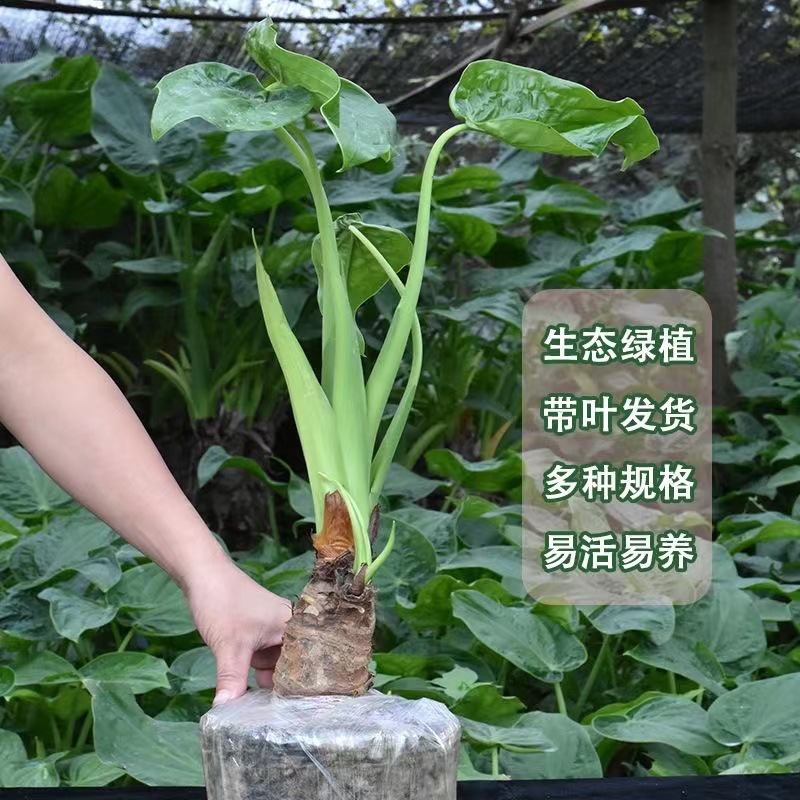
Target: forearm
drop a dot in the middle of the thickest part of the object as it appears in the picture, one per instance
(71, 417)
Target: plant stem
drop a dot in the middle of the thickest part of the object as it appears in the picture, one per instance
(84, 732)
(451, 497)
(127, 640)
(595, 671)
(562, 705)
(419, 447)
(69, 734)
(342, 374)
(387, 364)
(495, 762)
(673, 688)
(56, 733)
(388, 447)
(172, 235)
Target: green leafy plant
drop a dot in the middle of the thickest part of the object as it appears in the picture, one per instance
(339, 416)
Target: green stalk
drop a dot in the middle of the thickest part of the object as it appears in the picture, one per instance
(312, 410)
(388, 447)
(388, 362)
(126, 641)
(343, 377)
(562, 704)
(172, 235)
(85, 730)
(595, 671)
(416, 452)
(673, 687)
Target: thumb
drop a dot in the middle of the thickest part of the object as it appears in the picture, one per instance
(233, 665)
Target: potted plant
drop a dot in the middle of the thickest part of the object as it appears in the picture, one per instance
(339, 414)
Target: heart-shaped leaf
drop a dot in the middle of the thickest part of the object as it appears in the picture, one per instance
(535, 644)
(151, 751)
(764, 715)
(531, 110)
(339, 101)
(136, 672)
(228, 98)
(669, 719)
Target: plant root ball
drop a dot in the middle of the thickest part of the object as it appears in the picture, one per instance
(327, 645)
(374, 747)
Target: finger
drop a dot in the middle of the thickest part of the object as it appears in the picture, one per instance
(266, 658)
(233, 664)
(265, 678)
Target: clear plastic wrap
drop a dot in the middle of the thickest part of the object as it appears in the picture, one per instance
(376, 747)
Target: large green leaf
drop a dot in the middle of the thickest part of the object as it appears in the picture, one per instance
(688, 657)
(17, 772)
(638, 240)
(196, 670)
(364, 129)
(433, 609)
(72, 614)
(402, 482)
(535, 644)
(483, 736)
(456, 184)
(152, 602)
(228, 98)
(574, 756)
(411, 562)
(485, 703)
(63, 200)
(7, 680)
(471, 234)
(32, 67)
(151, 751)
(216, 458)
(25, 616)
(136, 672)
(364, 275)
(67, 543)
(88, 770)
(663, 204)
(564, 198)
(764, 715)
(491, 475)
(503, 560)
(726, 620)
(531, 110)
(121, 112)
(15, 199)
(657, 621)
(669, 719)
(60, 107)
(436, 526)
(25, 489)
(12, 748)
(45, 668)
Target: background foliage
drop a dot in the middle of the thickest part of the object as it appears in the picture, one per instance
(141, 252)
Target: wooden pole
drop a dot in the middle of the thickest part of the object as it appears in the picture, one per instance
(719, 180)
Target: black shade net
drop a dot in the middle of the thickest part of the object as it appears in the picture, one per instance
(652, 53)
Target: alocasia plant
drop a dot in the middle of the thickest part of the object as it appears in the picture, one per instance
(339, 416)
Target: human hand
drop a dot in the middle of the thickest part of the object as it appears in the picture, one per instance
(241, 622)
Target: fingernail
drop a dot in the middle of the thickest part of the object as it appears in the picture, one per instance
(222, 697)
